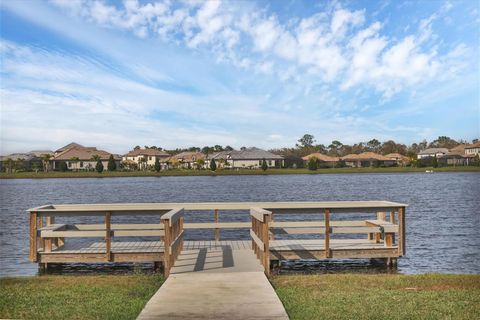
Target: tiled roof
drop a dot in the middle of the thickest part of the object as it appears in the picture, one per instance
(247, 154)
(83, 154)
(366, 156)
(147, 152)
(474, 145)
(68, 146)
(187, 156)
(321, 157)
(396, 156)
(433, 151)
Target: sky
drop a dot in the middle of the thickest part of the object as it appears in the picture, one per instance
(116, 74)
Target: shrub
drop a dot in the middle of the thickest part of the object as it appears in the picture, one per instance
(264, 165)
(157, 164)
(111, 164)
(312, 164)
(213, 165)
(99, 166)
(62, 166)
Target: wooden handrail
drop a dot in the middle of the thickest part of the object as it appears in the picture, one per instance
(260, 236)
(173, 239)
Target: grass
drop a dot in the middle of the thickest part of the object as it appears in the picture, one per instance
(348, 296)
(185, 172)
(76, 297)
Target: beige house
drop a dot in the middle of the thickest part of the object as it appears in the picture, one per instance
(323, 160)
(367, 159)
(83, 158)
(144, 158)
(473, 149)
(246, 158)
(187, 159)
(400, 159)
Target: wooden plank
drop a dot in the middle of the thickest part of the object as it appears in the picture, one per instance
(173, 215)
(118, 226)
(53, 227)
(220, 225)
(278, 231)
(341, 230)
(33, 237)
(108, 237)
(401, 232)
(326, 214)
(73, 234)
(266, 249)
(259, 214)
(138, 233)
(257, 241)
(217, 230)
(333, 223)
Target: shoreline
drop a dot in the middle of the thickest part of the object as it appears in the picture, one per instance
(240, 172)
(339, 296)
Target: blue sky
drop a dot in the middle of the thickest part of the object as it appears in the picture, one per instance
(241, 73)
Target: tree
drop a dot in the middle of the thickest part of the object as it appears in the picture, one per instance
(213, 165)
(136, 148)
(99, 166)
(218, 148)
(8, 165)
(200, 163)
(74, 160)
(111, 166)
(443, 142)
(435, 161)
(374, 145)
(306, 141)
(157, 164)
(228, 148)
(312, 163)
(46, 161)
(62, 166)
(264, 165)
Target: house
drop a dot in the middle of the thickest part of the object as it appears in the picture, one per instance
(246, 158)
(20, 161)
(144, 158)
(457, 156)
(473, 149)
(83, 158)
(68, 146)
(323, 160)
(367, 159)
(432, 152)
(187, 159)
(399, 159)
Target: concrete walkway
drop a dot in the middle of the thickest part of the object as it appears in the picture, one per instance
(220, 281)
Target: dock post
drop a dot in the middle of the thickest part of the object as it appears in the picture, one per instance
(217, 230)
(326, 214)
(401, 231)
(108, 240)
(33, 237)
(266, 245)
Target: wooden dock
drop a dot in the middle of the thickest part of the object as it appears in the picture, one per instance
(215, 278)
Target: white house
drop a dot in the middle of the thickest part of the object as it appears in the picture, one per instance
(432, 152)
(83, 158)
(473, 149)
(143, 158)
(246, 158)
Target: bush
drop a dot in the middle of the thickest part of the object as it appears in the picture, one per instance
(62, 166)
(312, 164)
(99, 166)
(111, 164)
(213, 165)
(264, 165)
(157, 164)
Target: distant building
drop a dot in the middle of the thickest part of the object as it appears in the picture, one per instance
(367, 159)
(323, 160)
(143, 158)
(400, 159)
(82, 158)
(20, 161)
(187, 159)
(473, 149)
(68, 146)
(432, 152)
(247, 158)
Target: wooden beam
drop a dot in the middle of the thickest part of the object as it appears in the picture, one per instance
(326, 214)
(401, 231)
(167, 243)
(259, 243)
(217, 230)
(266, 248)
(33, 237)
(108, 237)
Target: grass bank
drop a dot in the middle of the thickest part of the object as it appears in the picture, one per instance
(347, 296)
(76, 297)
(185, 172)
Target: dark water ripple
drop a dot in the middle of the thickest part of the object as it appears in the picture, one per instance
(443, 217)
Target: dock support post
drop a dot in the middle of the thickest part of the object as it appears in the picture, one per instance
(217, 230)
(266, 244)
(401, 231)
(166, 252)
(108, 240)
(33, 237)
(326, 214)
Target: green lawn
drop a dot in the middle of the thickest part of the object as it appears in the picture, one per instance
(348, 296)
(76, 297)
(191, 172)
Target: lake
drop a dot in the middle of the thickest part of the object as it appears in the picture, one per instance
(443, 217)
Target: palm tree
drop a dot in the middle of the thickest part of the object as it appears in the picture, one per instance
(8, 165)
(46, 161)
(74, 160)
(95, 158)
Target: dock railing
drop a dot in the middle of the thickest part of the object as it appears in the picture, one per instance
(261, 236)
(173, 226)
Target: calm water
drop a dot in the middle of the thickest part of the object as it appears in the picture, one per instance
(443, 217)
